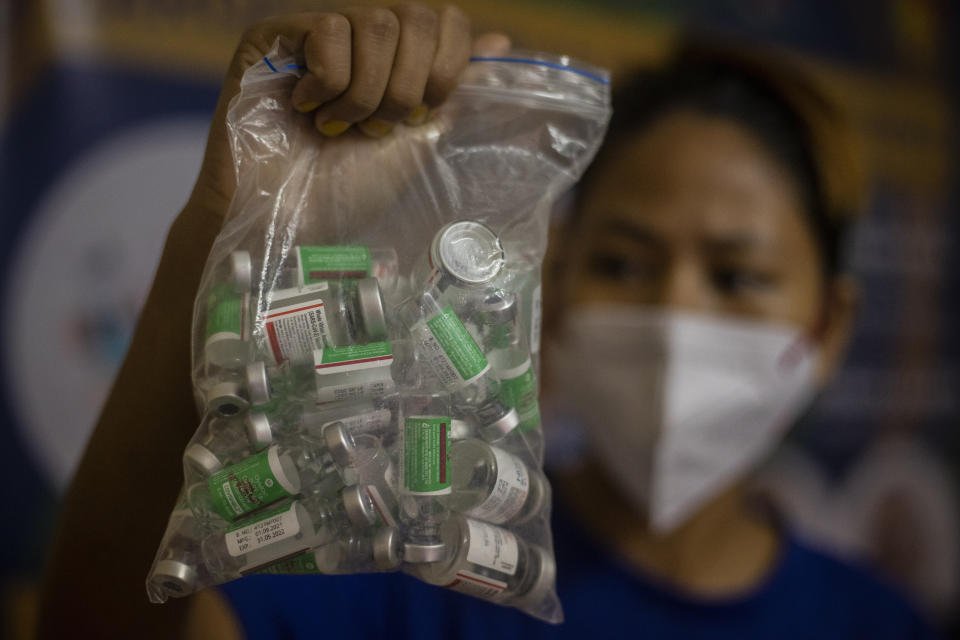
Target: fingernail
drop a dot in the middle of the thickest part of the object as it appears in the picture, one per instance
(333, 128)
(303, 107)
(375, 128)
(418, 116)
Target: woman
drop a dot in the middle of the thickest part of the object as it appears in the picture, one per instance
(702, 306)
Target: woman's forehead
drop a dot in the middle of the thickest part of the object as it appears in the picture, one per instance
(690, 172)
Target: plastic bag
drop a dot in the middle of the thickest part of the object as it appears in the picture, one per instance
(366, 336)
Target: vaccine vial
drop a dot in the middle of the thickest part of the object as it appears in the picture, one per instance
(490, 562)
(282, 471)
(493, 485)
(227, 336)
(424, 472)
(179, 570)
(377, 553)
(463, 255)
(265, 425)
(316, 264)
(295, 322)
(217, 443)
(458, 363)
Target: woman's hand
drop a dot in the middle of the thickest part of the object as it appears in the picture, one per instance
(366, 66)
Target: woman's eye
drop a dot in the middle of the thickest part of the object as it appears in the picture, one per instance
(615, 267)
(734, 280)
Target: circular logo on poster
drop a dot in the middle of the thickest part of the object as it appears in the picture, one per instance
(80, 276)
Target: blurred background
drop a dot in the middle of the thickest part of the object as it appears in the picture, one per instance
(104, 107)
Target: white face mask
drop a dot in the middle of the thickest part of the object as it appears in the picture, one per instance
(679, 406)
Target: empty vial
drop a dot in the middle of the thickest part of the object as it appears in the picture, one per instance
(315, 264)
(281, 471)
(463, 255)
(424, 474)
(217, 443)
(458, 362)
(268, 424)
(295, 322)
(489, 562)
(227, 333)
(492, 485)
(358, 553)
(178, 570)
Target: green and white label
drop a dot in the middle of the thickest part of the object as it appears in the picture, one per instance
(329, 263)
(271, 527)
(450, 350)
(425, 455)
(301, 564)
(355, 357)
(248, 485)
(518, 390)
(225, 311)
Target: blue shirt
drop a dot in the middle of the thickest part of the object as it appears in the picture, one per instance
(807, 595)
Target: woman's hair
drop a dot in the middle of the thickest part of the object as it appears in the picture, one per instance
(726, 89)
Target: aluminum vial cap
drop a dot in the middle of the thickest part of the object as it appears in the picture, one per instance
(176, 578)
(468, 252)
(358, 506)
(259, 430)
(226, 400)
(340, 444)
(241, 271)
(258, 384)
(202, 459)
(544, 583)
(371, 309)
(501, 427)
(386, 549)
(417, 553)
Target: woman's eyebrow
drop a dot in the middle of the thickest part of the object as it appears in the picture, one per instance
(636, 232)
(737, 241)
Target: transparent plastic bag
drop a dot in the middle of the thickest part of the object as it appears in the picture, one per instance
(366, 336)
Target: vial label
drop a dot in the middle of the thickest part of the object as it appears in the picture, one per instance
(477, 585)
(509, 492)
(301, 564)
(536, 319)
(271, 527)
(450, 350)
(353, 392)
(518, 390)
(375, 422)
(425, 455)
(295, 331)
(316, 264)
(226, 312)
(492, 547)
(356, 357)
(247, 485)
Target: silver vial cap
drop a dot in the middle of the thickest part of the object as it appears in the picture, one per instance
(201, 459)
(226, 400)
(241, 271)
(358, 506)
(339, 443)
(258, 384)
(386, 549)
(468, 252)
(259, 430)
(176, 578)
(500, 427)
(371, 309)
(417, 553)
(545, 579)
